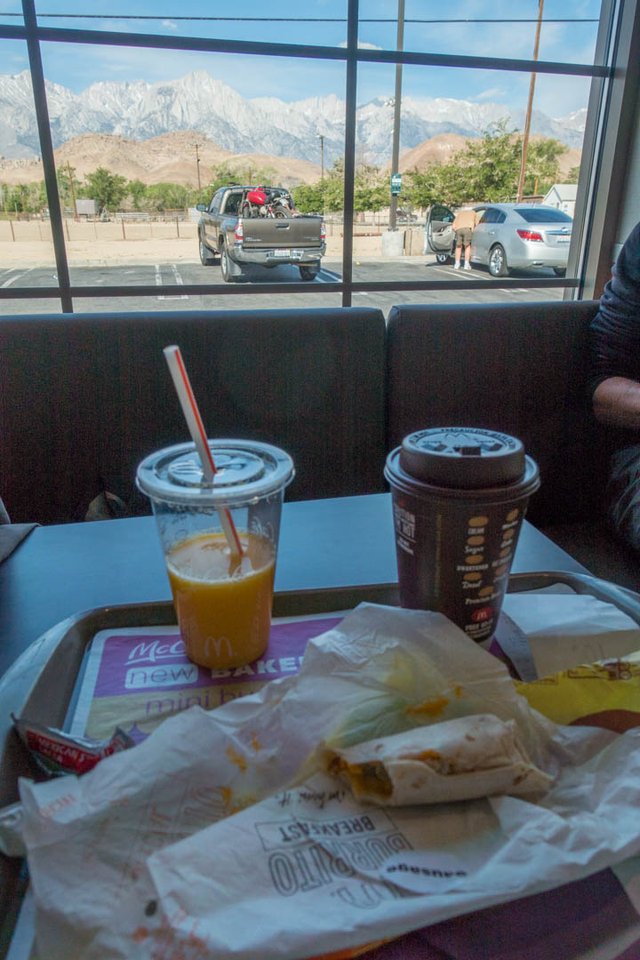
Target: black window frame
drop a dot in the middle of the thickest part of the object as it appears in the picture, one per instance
(614, 15)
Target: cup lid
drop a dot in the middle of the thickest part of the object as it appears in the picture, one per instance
(245, 470)
(463, 457)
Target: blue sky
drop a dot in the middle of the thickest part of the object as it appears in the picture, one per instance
(79, 66)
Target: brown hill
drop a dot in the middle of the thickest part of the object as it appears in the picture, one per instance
(170, 158)
(439, 149)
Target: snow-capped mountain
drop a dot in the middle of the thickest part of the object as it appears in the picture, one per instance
(140, 110)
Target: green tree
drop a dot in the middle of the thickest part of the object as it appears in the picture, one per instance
(333, 188)
(106, 188)
(371, 190)
(487, 169)
(422, 188)
(543, 165)
(226, 174)
(573, 175)
(137, 190)
(167, 196)
(25, 198)
(309, 197)
(68, 186)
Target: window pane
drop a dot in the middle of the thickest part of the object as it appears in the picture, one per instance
(26, 249)
(322, 22)
(459, 151)
(136, 156)
(11, 14)
(499, 29)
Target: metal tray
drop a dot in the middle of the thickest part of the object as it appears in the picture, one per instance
(41, 683)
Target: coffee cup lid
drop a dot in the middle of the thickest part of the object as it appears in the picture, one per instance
(245, 470)
(466, 457)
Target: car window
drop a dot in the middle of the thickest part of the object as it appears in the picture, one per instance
(501, 216)
(233, 203)
(441, 213)
(543, 215)
(490, 215)
(214, 206)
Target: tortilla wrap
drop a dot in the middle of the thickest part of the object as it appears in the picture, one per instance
(461, 759)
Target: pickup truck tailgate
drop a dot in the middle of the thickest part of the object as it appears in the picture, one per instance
(302, 232)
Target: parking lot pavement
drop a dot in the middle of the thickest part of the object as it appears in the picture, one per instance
(178, 274)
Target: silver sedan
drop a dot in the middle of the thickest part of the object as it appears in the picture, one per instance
(508, 235)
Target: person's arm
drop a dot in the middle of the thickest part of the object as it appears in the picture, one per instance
(615, 343)
(616, 401)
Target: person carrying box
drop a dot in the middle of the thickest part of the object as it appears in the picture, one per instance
(463, 225)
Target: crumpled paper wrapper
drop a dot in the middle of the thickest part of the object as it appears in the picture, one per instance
(197, 843)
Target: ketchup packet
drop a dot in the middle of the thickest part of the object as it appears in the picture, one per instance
(57, 753)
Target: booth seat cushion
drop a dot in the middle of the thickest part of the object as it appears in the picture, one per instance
(518, 368)
(85, 397)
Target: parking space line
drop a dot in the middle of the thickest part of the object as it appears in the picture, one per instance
(179, 282)
(178, 279)
(327, 276)
(17, 276)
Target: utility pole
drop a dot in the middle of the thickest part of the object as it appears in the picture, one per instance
(395, 149)
(321, 139)
(527, 120)
(73, 191)
(196, 145)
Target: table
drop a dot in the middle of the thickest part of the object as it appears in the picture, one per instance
(64, 569)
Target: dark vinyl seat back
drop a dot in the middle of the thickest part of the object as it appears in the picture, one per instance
(85, 397)
(520, 369)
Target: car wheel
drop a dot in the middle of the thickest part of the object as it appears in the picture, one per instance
(498, 261)
(560, 271)
(225, 266)
(443, 257)
(206, 257)
(309, 273)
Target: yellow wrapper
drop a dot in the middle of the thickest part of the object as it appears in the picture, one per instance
(603, 694)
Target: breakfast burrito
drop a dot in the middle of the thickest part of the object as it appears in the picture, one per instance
(476, 756)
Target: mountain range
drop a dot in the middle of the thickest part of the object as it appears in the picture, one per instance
(141, 111)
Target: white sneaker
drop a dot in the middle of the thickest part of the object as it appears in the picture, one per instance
(467, 266)
(456, 266)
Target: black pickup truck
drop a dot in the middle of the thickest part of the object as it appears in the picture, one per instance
(263, 240)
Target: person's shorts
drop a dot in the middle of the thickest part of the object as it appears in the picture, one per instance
(463, 236)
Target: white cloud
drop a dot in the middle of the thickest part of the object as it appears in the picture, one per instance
(362, 45)
(493, 93)
(169, 24)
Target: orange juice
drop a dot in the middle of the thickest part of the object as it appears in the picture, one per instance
(223, 607)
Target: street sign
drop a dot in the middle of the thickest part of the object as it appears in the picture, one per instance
(396, 184)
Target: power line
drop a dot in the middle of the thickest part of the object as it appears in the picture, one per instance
(128, 16)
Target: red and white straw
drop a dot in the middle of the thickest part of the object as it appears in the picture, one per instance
(189, 406)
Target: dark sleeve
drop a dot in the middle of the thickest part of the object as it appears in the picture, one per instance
(615, 330)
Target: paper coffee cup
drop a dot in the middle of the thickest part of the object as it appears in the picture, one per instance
(459, 497)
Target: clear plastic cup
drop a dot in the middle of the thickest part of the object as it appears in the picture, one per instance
(223, 602)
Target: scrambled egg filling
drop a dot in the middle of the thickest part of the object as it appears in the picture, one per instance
(365, 777)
